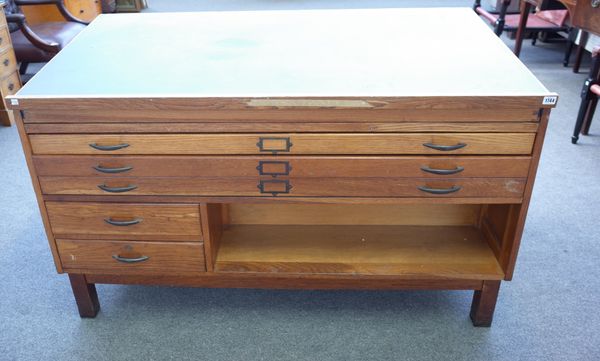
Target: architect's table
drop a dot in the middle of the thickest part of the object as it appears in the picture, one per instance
(305, 149)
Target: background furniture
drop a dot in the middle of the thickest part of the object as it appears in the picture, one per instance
(86, 10)
(40, 42)
(589, 99)
(540, 21)
(10, 82)
(128, 6)
(281, 169)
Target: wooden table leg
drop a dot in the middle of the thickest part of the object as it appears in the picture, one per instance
(583, 38)
(86, 296)
(525, 9)
(484, 303)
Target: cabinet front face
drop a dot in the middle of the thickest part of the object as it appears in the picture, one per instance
(587, 15)
(264, 165)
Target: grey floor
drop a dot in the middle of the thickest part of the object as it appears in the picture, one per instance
(549, 311)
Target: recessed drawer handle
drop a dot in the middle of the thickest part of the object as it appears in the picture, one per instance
(102, 169)
(109, 147)
(445, 148)
(442, 171)
(130, 260)
(106, 188)
(440, 190)
(123, 223)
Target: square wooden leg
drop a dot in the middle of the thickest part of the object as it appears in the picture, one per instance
(86, 296)
(484, 303)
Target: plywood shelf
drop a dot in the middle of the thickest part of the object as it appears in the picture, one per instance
(458, 252)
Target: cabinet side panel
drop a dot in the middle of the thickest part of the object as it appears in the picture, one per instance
(38, 192)
(510, 248)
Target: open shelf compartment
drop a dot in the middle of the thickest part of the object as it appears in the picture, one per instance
(407, 241)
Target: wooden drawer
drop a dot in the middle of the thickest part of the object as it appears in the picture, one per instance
(124, 221)
(8, 62)
(298, 187)
(297, 166)
(11, 84)
(399, 143)
(121, 257)
(4, 37)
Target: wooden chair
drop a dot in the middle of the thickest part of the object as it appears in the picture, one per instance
(540, 21)
(39, 43)
(589, 98)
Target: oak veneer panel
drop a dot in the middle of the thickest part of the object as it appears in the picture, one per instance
(297, 166)
(300, 187)
(291, 281)
(278, 127)
(365, 214)
(404, 251)
(156, 221)
(164, 258)
(402, 143)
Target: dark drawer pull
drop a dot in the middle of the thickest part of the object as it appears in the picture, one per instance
(102, 169)
(6, 62)
(595, 3)
(445, 148)
(109, 147)
(106, 188)
(264, 184)
(265, 144)
(130, 260)
(284, 165)
(123, 223)
(11, 86)
(458, 169)
(440, 190)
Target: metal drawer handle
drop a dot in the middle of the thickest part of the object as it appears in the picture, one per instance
(130, 260)
(286, 146)
(286, 183)
(440, 190)
(445, 148)
(595, 3)
(109, 147)
(102, 169)
(11, 86)
(123, 223)
(6, 62)
(106, 188)
(285, 165)
(458, 169)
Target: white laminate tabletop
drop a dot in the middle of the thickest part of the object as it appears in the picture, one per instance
(320, 53)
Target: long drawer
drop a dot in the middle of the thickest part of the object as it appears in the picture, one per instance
(400, 143)
(299, 187)
(159, 258)
(124, 221)
(278, 166)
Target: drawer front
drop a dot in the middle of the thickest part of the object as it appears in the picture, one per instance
(4, 37)
(298, 187)
(8, 62)
(269, 144)
(11, 84)
(279, 166)
(124, 221)
(122, 257)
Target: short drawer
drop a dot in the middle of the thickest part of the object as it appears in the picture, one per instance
(270, 144)
(8, 62)
(76, 220)
(122, 257)
(11, 84)
(291, 187)
(280, 166)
